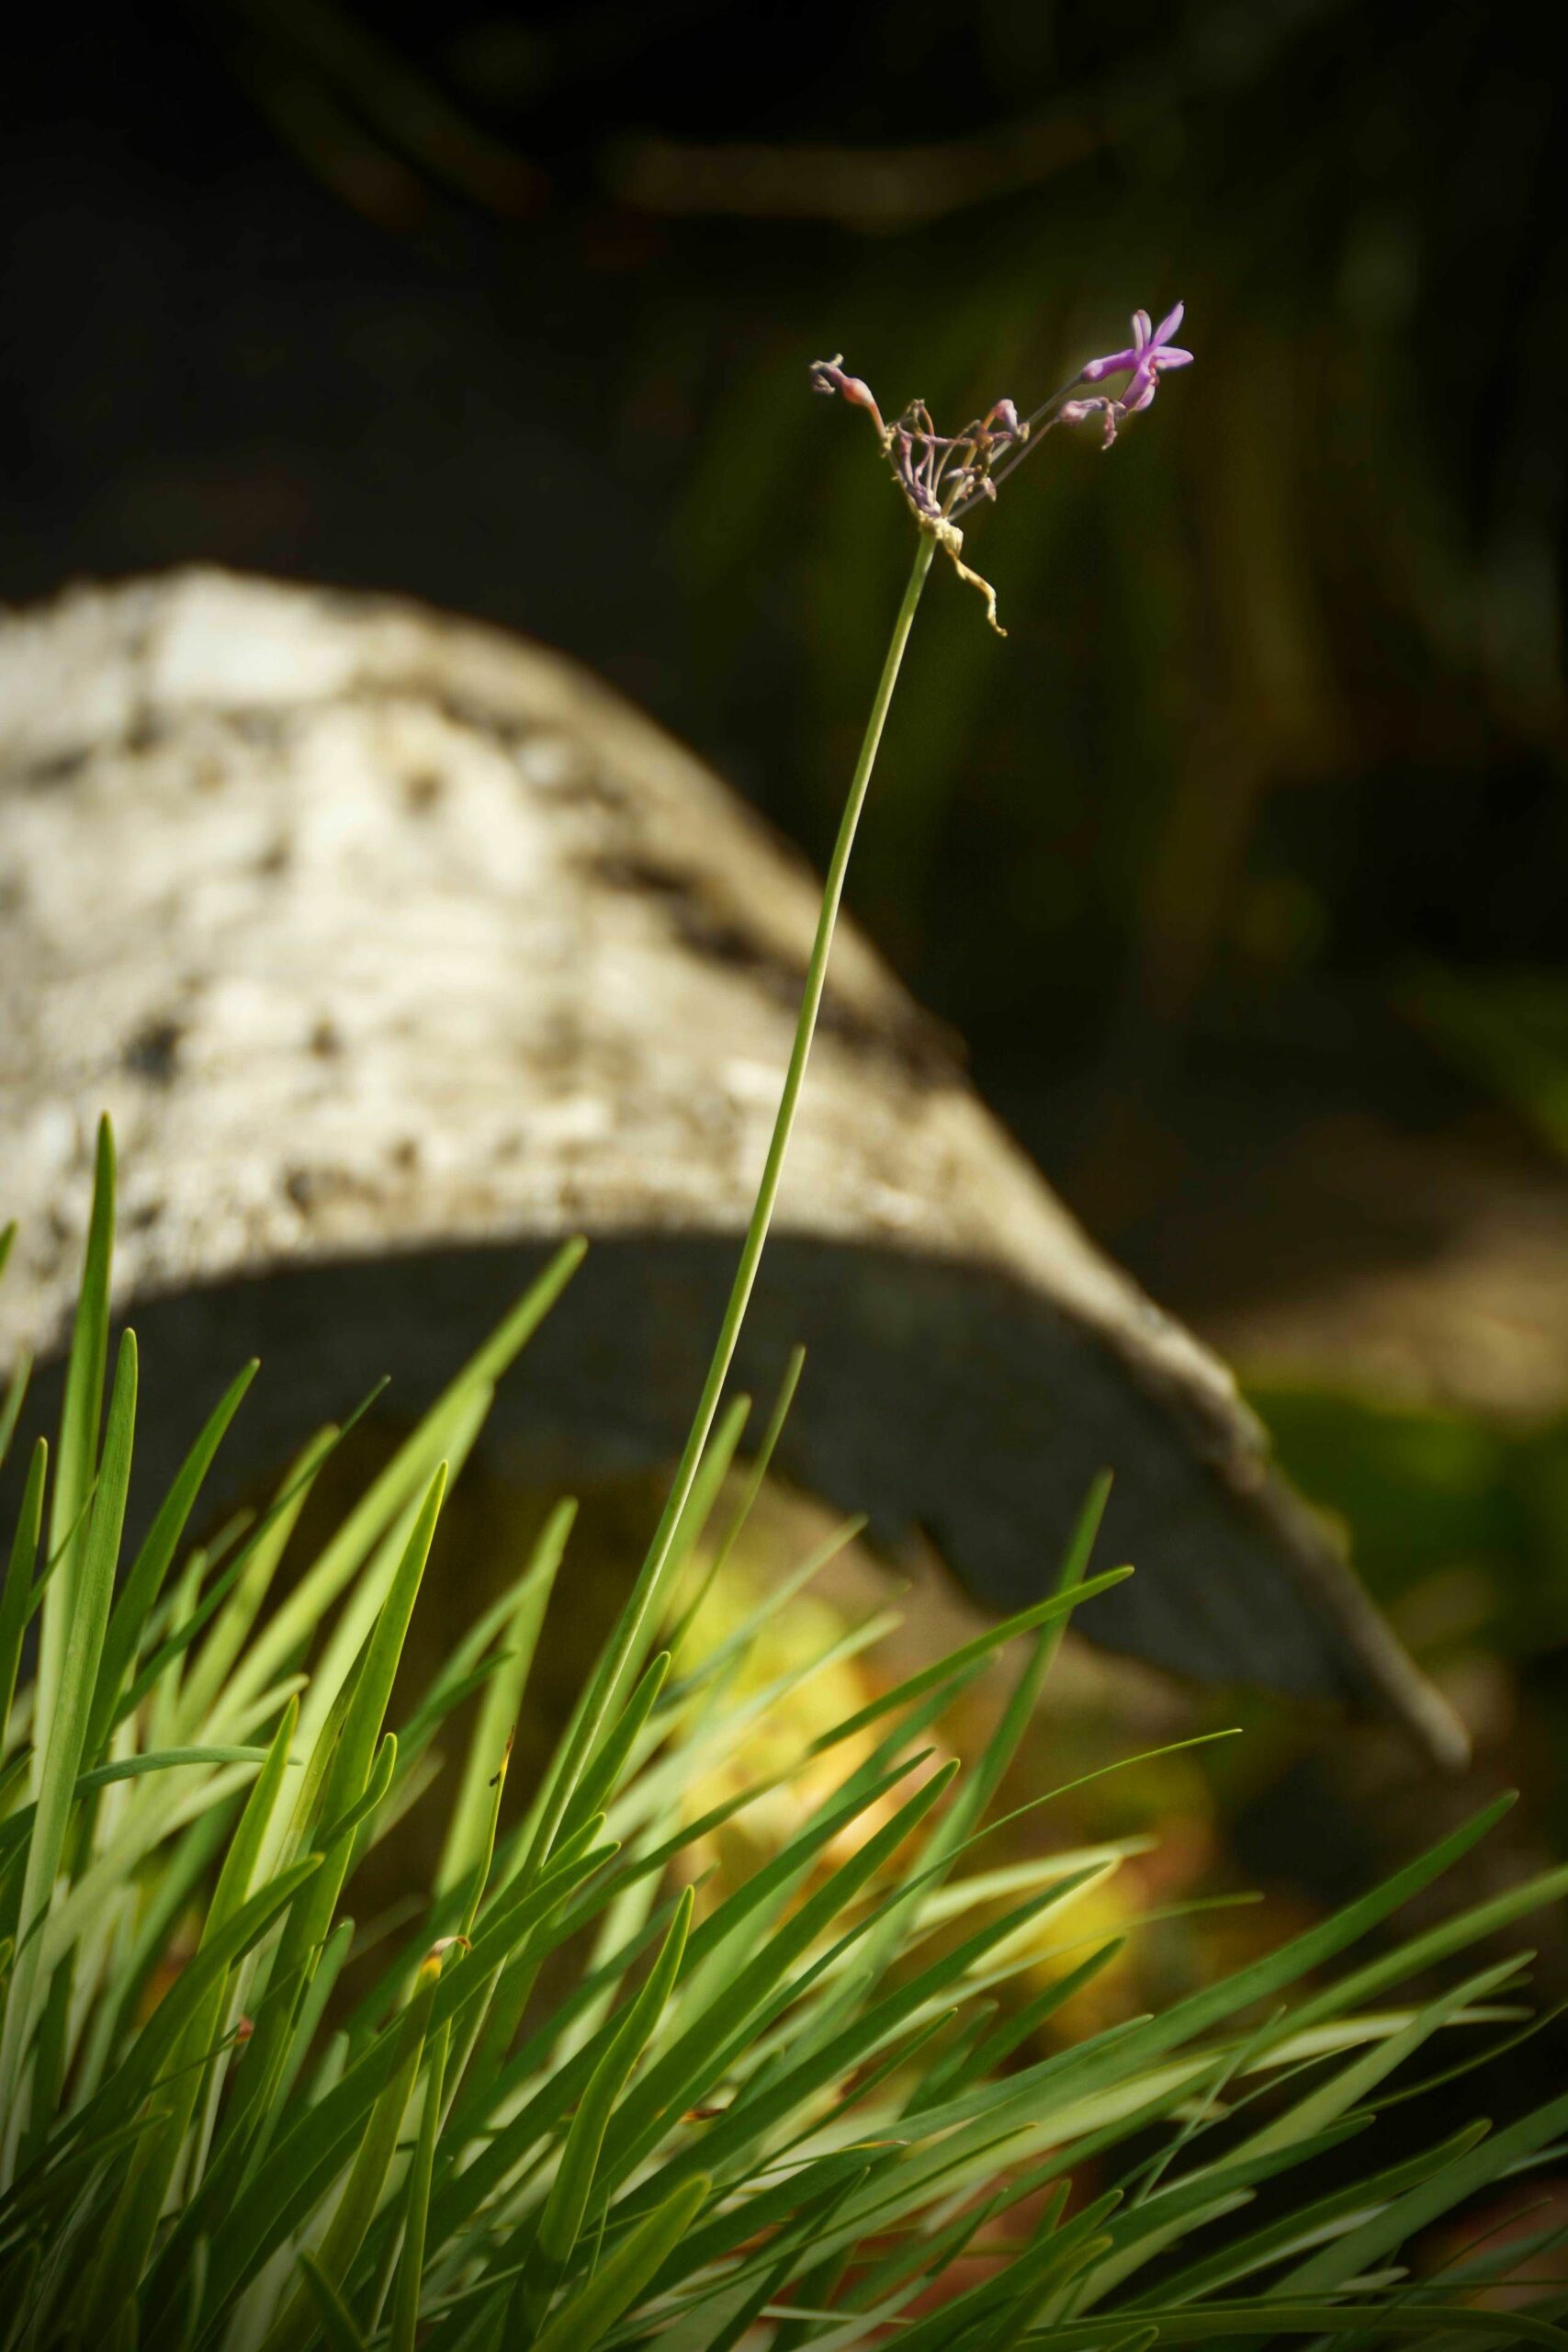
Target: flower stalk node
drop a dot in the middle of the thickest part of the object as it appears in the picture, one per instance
(949, 538)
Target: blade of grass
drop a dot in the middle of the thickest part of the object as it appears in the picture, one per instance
(145, 1577)
(356, 2208)
(566, 2207)
(15, 1393)
(1043, 1613)
(76, 1457)
(67, 1731)
(126, 2241)
(724, 1548)
(487, 1749)
(16, 1600)
(592, 2311)
(346, 1777)
(332, 2314)
(629, 1640)
(405, 1475)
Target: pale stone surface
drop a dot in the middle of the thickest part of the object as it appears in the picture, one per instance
(397, 949)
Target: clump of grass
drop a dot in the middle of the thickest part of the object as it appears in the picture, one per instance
(588, 2100)
(782, 2115)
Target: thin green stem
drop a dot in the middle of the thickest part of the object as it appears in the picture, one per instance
(624, 1656)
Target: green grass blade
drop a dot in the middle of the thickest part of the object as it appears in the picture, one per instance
(1437, 1944)
(332, 2314)
(16, 1395)
(999, 2045)
(567, 2204)
(75, 1458)
(629, 1642)
(503, 1700)
(313, 2149)
(16, 1600)
(592, 2311)
(1280, 2237)
(142, 2069)
(1350, 2086)
(356, 2208)
(724, 1548)
(749, 2119)
(1360, 2318)
(347, 1773)
(1465, 2175)
(1043, 1613)
(144, 1578)
(981, 1781)
(16, 1829)
(603, 1775)
(67, 1732)
(403, 2335)
(700, 2053)
(774, 1603)
(402, 1480)
(126, 2241)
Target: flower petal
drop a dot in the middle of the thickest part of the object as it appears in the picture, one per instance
(1169, 323)
(1141, 331)
(1170, 355)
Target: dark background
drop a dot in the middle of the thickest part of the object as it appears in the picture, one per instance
(1240, 865)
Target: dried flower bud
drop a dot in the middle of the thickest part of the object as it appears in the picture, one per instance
(827, 375)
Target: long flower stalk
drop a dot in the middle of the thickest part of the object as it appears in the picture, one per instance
(940, 477)
(628, 1647)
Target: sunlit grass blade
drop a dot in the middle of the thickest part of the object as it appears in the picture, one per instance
(618, 1662)
(698, 2056)
(602, 1775)
(981, 1781)
(145, 1576)
(498, 1714)
(1043, 1613)
(75, 1459)
(66, 1724)
(756, 1478)
(19, 1826)
(154, 2049)
(347, 1772)
(401, 1482)
(823, 2067)
(773, 1603)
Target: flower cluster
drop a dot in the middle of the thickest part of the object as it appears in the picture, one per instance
(945, 476)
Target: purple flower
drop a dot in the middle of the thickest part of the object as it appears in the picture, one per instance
(1148, 358)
